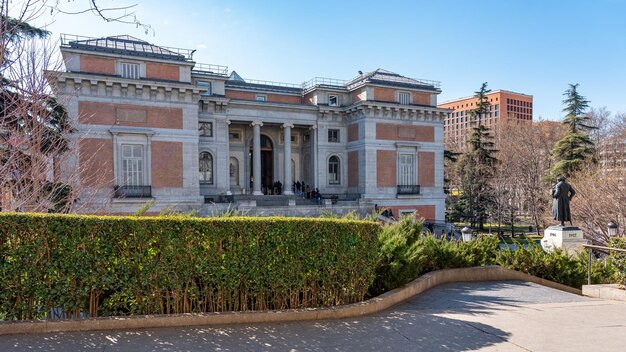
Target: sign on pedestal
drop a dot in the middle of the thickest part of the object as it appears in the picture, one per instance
(569, 238)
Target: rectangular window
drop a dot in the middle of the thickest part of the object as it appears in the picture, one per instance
(333, 136)
(406, 169)
(333, 100)
(132, 165)
(206, 129)
(261, 97)
(206, 86)
(130, 70)
(234, 136)
(404, 98)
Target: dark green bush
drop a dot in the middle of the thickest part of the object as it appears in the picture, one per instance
(399, 255)
(619, 260)
(99, 266)
(556, 265)
(405, 255)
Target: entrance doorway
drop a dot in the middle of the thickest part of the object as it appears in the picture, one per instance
(267, 165)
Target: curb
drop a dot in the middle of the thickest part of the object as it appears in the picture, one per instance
(373, 305)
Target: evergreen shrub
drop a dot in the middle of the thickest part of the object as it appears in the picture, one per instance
(619, 260)
(405, 255)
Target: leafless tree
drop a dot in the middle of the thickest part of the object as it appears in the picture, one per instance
(121, 14)
(600, 121)
(600, 198)
(37, 137)
(524, 154)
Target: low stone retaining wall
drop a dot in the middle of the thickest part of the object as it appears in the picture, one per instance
(377, 304)
(611, 292)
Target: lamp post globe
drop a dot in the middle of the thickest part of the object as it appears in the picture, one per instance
(612, 229)
(466, 233)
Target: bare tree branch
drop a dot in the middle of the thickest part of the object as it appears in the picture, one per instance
(117, 14)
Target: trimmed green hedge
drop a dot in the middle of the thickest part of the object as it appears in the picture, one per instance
(100, 266)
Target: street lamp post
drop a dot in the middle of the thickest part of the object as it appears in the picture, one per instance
(466, 234)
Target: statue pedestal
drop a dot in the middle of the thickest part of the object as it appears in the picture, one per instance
(569, 238)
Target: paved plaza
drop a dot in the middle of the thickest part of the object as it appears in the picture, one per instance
(483, 316)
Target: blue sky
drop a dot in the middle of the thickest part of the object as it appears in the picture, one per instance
(533, 47)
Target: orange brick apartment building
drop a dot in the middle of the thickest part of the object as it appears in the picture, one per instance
(154, 124)
(505, 107)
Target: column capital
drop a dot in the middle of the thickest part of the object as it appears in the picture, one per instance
(285, 125)
(314, 127)
(254, 123)
(228, 122)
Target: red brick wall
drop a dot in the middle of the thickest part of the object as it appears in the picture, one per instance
(167, 164)
(386, 168)
(389, 95)
(94, 64)
(393, 132)
(290, 99)
(96, 162)
(385, 94)
(426, 169)
(353, 169)
(129, 115)
(420, 98)
(162, 71)
(353, 132)
(426, 211)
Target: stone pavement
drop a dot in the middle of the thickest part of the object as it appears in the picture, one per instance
(485, 316)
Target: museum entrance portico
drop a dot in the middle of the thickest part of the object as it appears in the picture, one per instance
(272, 157)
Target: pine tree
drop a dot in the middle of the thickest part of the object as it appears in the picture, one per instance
(475, 167)
(575, 149)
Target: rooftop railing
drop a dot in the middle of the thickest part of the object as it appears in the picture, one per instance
(321, 81)
(399, 79)
(125, 44)
(271, 83)
(211, 69)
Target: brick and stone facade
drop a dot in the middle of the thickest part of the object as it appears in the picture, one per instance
(153, 124)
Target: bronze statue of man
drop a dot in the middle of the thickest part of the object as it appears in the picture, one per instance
(562, 193)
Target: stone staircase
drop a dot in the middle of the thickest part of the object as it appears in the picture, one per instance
(282, 205)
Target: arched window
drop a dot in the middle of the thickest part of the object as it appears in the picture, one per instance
(234, 171)
(333, 170)
(206, 168)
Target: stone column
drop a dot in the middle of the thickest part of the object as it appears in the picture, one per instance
(227, 183)
(149, 160)
(314, 142)
(287, 143)
(256, 158)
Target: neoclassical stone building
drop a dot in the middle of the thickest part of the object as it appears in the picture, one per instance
(154, 124)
